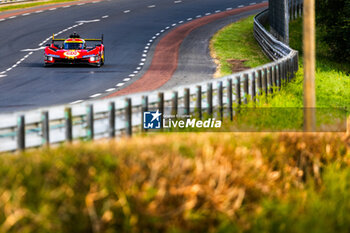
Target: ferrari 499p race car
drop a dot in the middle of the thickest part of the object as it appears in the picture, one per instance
(74, 50)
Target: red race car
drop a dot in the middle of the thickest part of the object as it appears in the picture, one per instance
(74, 50)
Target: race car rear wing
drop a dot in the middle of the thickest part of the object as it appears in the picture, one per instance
(62, 39)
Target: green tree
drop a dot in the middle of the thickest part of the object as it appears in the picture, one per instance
(333, 17)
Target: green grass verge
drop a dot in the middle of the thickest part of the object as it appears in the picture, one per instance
(16, 6)
(236, 41)
(332, 82)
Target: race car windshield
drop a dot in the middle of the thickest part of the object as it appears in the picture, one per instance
(73, 45)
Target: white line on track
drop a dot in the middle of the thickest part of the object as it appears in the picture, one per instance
(207, 14)
(80, 4)
(96, 2)
(229, 8)
(167, 28)
(217, 11)
(151, 41)
(120, 84)
(12, 17)
(240, 6)
(181, 21)
(143, 59)
(131, 75)
(179, 1)
(105, 16)
(126, 79)
(135, 72)
(95, 95)
(151, 6)
(38, 11)
(52, 9)
(76, 102)
(2, 19)
(25, 14)
(141, 64)
(66, 6)
(173, 25)
(198, 16)
(253, 3)
(127, 11)
(189, 19)
(110, 89)
(30, 50)
(139, 68)
(2, 75)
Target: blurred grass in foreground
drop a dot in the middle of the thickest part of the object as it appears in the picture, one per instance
(205, 182)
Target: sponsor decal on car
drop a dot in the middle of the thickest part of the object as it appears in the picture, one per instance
(71, 54)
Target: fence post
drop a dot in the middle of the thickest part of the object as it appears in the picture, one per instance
(90, 122)
(252, 81)
(144, 108)
(187, 101)
(128, 117)
(259, 82)
(270, 80)
(220, 102)
(278, 77)
(229, 98)
(161, 102)
(199, 102)
(21, 137)
(68, 124)
(238, 90)
(111, 120)
(245, 88)
(210, 99)
(174, 103)
(264, 81)
(45, 128)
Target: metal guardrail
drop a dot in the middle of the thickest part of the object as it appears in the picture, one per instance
(121, 116)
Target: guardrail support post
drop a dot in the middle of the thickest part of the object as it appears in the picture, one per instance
(161, 102)
(199, 102)
(278, 76)
(187, 101)
(144, 109)
(259, 77)
(21, 143)
(68, 124)
(174, 103)
(264, 81)
(238, 90)
(245, 88)
(270, 80)
(210, 99)
(220, 102)
(111, 120)
(45, 128)
(229, 98)
(128, 117)
(252, 78)
(90, 122)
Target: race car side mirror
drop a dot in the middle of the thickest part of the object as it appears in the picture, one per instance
(47, 45)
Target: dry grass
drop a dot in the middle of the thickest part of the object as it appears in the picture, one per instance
(159, 183)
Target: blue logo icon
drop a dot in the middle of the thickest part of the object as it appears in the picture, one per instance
(152, 120)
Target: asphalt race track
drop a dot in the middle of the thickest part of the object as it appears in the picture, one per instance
(130, 28)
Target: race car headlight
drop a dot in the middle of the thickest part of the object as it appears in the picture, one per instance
(49, 58)
(94, 58)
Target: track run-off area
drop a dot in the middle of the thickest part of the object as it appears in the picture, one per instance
(131, 28)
